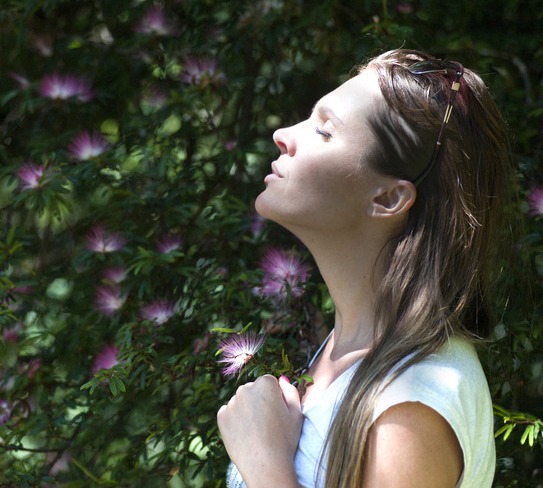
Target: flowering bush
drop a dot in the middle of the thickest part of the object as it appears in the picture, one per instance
(138, 287)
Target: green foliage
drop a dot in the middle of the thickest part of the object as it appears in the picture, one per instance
(143, 255)
(532, 430)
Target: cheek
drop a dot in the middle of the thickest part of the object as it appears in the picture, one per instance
(324, 202)
(322, 190)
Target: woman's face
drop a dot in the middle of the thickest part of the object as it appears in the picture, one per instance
(321, 178)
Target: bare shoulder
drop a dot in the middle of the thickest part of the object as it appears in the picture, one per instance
(411, 445)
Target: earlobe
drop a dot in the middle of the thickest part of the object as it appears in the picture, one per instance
(393, 199)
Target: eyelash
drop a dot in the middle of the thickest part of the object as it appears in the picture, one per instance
(322, 133)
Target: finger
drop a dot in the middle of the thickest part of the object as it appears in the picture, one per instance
(290, 394)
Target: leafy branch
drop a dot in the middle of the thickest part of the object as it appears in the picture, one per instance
(533, 426)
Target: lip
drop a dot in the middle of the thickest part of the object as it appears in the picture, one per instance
(275, 171)
(274, 175)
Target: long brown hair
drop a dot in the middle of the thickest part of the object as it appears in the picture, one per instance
(439, 273)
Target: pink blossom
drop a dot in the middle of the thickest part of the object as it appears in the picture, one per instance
(11, 334)
(257, 225)
(115, 274)
(5, 411)
(100, 240)
(201, 344)
(201, 71)
(33, 367)
(64, 87)
(159, 311)
(154, 97)
(169, 243)
(87, 145)
(43, 44)
(238, 350)
(30, 176)
(404, 8)
(284, 274)
(62, 463)
(230, 145)
(106, 358)
(156, 22)
(23, 289)
(535, 201)
(23, 82)
(109, 299)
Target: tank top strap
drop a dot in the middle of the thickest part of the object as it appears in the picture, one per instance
(319, 350)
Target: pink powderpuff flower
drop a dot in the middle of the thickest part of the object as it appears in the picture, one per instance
(201, 71)
(158, 312)
(43, 44)
(154, 97)
(5, 411)
(238, 350)
(284, 273)
(23, 289)
(31, 176)
(116, 274)
(62, 463)
(23, 82)
(109, 299)
(64, 87)
(155, 22)
(201, 344)
(11, 334)
(169, 243)
(33, 367)
(87, 145)
(229, 145)
(535, 201)
(102, 241)
(106, 358)
(404, 8)
(257, 225)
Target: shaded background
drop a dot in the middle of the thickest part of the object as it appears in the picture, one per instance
(134, 137)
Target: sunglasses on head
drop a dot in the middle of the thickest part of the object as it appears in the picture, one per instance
(446, 68)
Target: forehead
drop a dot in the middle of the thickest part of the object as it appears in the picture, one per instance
(359, 95)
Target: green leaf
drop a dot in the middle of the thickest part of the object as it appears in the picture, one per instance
(91, 385)
(223, 330)
(114, 386)
(305, 377)
(505, 430)
(526, 433)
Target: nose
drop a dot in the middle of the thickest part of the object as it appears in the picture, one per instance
(285, 141)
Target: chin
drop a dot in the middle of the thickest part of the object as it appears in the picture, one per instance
(260, 205)
(265, 209)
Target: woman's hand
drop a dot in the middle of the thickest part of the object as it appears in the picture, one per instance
(260, 427)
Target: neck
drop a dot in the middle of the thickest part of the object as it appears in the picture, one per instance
(346, 260)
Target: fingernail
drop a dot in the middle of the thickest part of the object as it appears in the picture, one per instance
(284, 378)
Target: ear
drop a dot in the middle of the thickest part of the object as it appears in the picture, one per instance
(392, 199)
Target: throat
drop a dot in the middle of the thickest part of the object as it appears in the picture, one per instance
(324, 373)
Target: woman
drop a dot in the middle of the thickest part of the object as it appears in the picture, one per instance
(396, 184)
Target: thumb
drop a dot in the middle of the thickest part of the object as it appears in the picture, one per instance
(290, 394)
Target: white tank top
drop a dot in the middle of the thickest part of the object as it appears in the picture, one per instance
(450, 381)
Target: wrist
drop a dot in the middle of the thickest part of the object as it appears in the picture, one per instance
(268, 475)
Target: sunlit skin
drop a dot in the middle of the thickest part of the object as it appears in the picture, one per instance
(319, 178)
(322, 189)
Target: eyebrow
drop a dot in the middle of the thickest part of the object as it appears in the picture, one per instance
(329, 113)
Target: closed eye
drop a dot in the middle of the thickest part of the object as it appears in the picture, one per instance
(324, 134)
